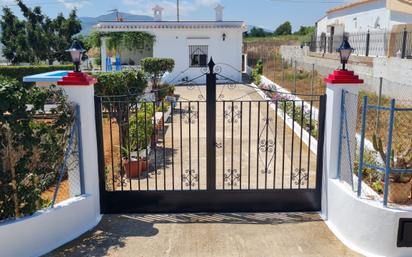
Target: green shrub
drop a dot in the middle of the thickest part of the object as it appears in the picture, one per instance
(257, 72)
(157, 67)
(120, 83)
(18, 72)
(141, 129)
(31, 149)
(165, 90)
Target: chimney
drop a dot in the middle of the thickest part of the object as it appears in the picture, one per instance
(157, 13)
(219, 12)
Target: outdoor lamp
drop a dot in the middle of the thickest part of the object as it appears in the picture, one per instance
(76, 52)
(345, 50)
(224, 36)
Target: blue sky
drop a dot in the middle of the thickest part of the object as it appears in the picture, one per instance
(265, 13)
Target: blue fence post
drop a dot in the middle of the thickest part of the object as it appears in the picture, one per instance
(342, 110)
(362, 143)
(389, 153)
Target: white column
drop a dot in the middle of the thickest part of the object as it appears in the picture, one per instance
(80, 90)
(103, 54)
(334, 89)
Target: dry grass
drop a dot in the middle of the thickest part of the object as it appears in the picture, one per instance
(282, 71)
(62, 195)
(402, 132)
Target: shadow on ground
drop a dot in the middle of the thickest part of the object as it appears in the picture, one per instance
(226, 218)
(113, 230)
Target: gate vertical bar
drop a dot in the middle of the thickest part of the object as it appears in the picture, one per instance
(368, 37)
(321, 140)
(100, 149)
(211, 126)
(404, 38)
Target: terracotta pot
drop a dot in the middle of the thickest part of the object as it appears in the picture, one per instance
(399, 192)
(136, 167)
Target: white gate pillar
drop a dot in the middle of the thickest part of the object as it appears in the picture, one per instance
(338, 81)
(79, 88)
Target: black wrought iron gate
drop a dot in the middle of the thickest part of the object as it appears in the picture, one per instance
(210, 155)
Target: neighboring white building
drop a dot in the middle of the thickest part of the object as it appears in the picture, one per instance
(190, 43)
(382, 18)
(364, 15)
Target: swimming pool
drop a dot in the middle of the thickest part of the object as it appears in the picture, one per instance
(52, 76)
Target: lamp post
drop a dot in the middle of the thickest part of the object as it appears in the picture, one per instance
(76, 51)
(345, 50)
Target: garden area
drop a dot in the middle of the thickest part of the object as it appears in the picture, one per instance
(134, 109)
(36, 132)
(378, 134)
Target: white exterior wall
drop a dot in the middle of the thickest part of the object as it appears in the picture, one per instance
(363, 225)
(359, 19)
(174, 43)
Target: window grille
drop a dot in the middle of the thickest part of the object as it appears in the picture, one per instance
(198, 55)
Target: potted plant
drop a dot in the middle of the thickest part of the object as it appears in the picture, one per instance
(399, 183)
(134, 166)
(140, 133)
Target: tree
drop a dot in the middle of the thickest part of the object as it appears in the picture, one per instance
(257, 32)
(15, 46)
(284, 29)
(303, 31)
(64, 32)
(156, 68)
(125, 85)
(37, 38)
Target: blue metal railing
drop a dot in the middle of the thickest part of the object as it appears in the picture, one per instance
(386, 169)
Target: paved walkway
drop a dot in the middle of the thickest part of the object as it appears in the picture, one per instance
(243, 159)
(215, 235)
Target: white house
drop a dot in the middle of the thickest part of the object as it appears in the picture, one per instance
(190, 43)
(382, 18)
(364, 15)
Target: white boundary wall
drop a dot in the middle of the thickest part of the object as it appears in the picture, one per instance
(50, 228)
(363, 225)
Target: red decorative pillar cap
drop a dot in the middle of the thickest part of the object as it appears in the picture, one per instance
(343, 77)
(77, 79)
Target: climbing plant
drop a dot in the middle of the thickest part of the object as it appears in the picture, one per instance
(114, 40)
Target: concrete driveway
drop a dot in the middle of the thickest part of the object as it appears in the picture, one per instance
(196, 235)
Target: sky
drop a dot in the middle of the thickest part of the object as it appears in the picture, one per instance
(263, 13)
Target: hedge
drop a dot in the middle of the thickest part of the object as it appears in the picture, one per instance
(18, 72)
